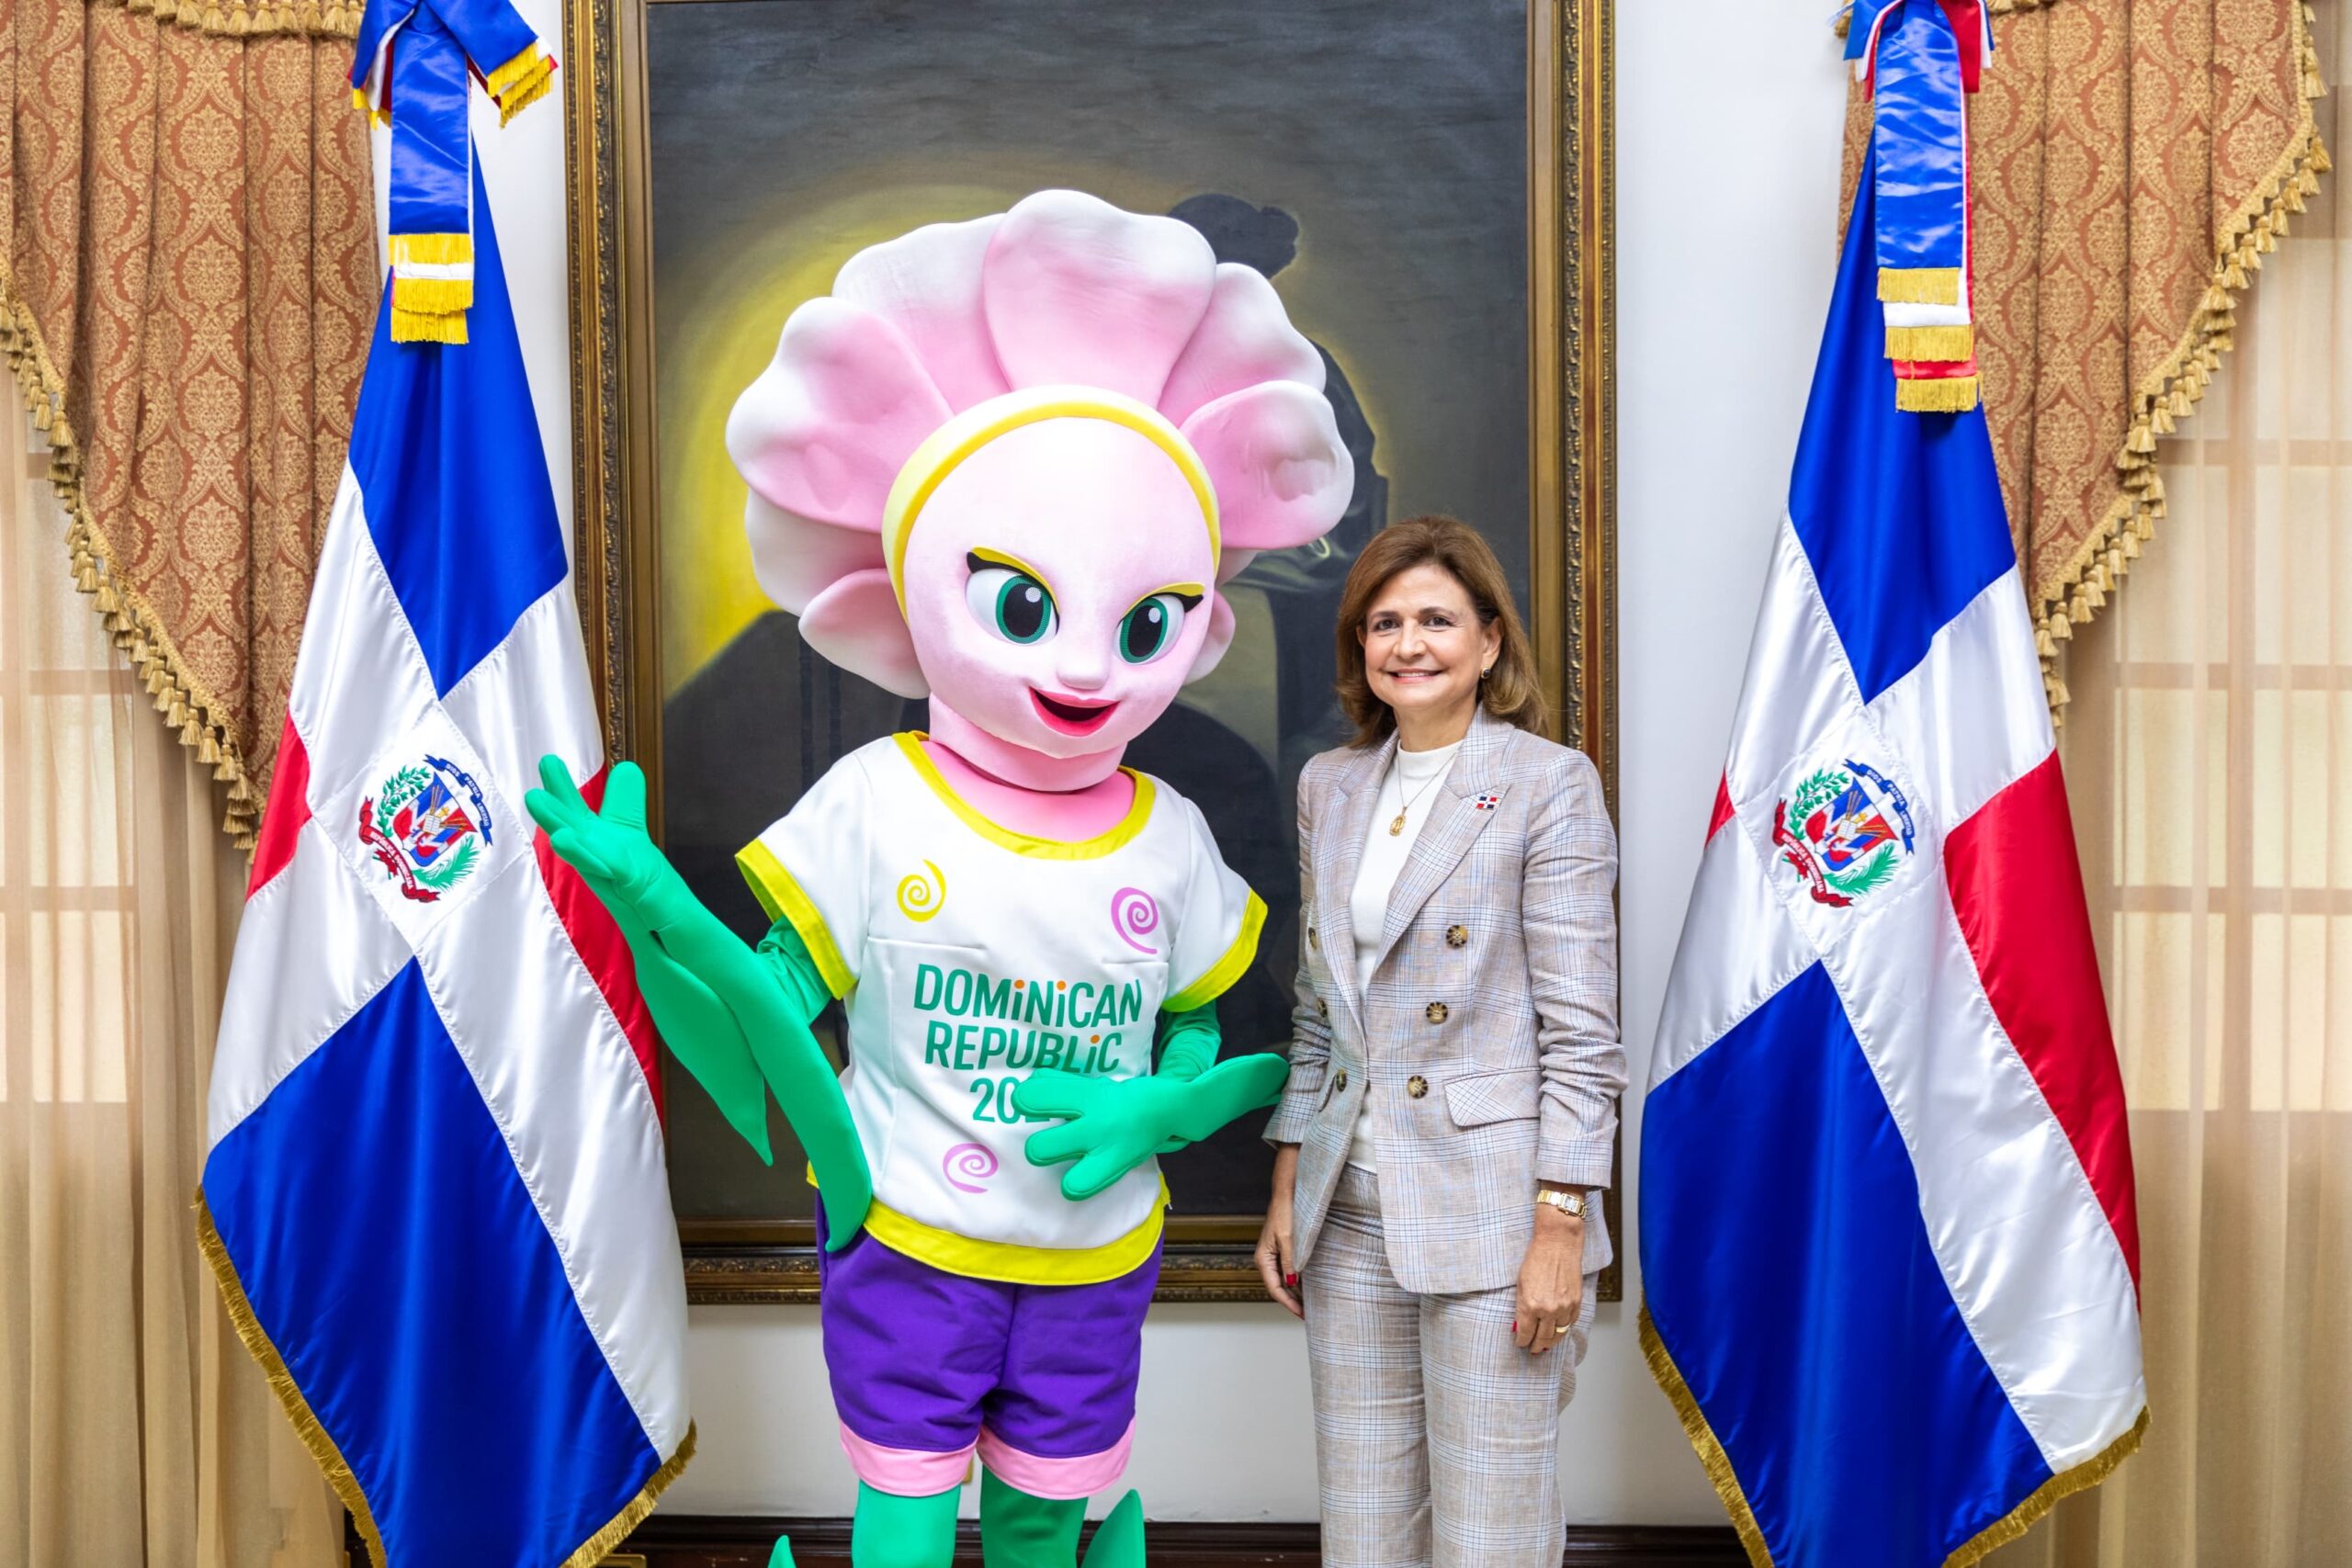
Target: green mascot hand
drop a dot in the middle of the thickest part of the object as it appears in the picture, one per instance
(737, 1019)
(1112, 1125)
(611, 850)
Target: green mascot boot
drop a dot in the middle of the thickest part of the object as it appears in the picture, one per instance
(891, 1531)
(1118, 1539)
(1021, 1530)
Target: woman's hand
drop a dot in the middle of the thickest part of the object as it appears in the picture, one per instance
(1277, 1263)
(1550, 1281)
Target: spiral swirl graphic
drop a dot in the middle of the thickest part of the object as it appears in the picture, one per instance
(1135, 913)
(974, 1160)
(919, 897)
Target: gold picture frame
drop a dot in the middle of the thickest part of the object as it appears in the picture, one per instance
(1571, 488)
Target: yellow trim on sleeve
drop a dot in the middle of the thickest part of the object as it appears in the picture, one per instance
(1119, 835)
(1228, 969)
(1009, 1262)
(781, 895)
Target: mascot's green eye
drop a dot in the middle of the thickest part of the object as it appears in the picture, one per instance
(1012, 605)
(1151, 627)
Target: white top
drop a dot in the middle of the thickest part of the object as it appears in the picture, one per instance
(971, 955)
(1411, 787)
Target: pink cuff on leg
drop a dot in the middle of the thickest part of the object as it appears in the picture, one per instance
(1056, 1479)
(912, 1472)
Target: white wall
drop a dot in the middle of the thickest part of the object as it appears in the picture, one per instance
(1726, 180)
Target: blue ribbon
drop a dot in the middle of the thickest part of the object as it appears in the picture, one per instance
(433, 43)
(1922, 180)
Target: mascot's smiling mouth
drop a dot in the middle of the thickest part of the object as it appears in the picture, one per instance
(1070, 715)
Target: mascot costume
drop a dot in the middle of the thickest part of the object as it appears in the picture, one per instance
(1005, 464)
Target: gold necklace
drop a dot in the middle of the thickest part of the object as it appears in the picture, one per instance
(1396, 828)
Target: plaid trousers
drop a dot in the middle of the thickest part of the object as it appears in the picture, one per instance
(1436, 1438)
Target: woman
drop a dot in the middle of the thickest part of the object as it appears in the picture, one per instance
(1446, 1130)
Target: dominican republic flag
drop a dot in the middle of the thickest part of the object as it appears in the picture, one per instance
(1888, 1247)
(434, 1191)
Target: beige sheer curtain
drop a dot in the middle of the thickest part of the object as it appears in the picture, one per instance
(134, 1429)
(2209, 754)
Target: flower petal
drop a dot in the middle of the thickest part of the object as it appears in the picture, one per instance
(825, 429)
(1078, 291)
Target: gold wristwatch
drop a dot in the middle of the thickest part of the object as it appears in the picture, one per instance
(1570, 1204)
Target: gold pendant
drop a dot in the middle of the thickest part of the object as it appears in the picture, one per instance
(1397, 826)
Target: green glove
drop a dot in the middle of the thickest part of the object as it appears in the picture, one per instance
(1113, 1125)
(724, 1010)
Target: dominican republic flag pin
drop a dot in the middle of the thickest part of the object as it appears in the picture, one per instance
(1486, 802)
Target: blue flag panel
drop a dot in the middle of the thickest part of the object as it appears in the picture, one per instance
(1787, 1273)
(390, 1250)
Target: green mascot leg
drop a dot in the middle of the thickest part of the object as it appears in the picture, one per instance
(903, 1532)
(1018, 1531)
(1118, 1539)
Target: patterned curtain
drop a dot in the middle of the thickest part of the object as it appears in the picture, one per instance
(2133, 162)
(2211, 721)
(185, 296)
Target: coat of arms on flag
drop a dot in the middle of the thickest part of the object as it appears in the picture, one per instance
(420, 830)
(434, 1191)
(1889, 1245)
(1839, 830)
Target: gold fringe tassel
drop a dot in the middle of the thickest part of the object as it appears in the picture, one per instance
(307, 1425)
(598, 1547)
(321, 1444)
(249, 21)
(1919, 284)
(1717, 1463)
(433, 296)
(1935, 394)
(416, 326)
(1702, 1437)
(528, 91)
(1947, 344)
(2172, 390)
(2046, 1497)
(524, 60)
(432, 250)
(128, 619)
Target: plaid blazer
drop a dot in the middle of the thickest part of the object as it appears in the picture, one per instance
(1485, 1038)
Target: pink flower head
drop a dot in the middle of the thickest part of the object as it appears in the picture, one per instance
(1008, 463)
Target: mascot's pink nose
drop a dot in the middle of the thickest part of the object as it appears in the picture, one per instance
(1081, 672)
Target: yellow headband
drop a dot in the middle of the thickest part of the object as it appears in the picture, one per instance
(966, 433)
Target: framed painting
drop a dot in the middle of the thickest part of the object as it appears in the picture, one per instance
(1425, 181)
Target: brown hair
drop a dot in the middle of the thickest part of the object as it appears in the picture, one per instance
(1509, 691)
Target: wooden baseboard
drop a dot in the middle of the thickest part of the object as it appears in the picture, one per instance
(693, 1541)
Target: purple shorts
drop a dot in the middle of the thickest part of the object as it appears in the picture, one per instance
(929, 1368)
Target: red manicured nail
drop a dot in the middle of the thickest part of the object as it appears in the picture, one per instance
(1290, 1279)
(1514, 1325)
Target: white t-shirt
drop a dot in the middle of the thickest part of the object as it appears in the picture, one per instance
(970, 956)
(1411, 787)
